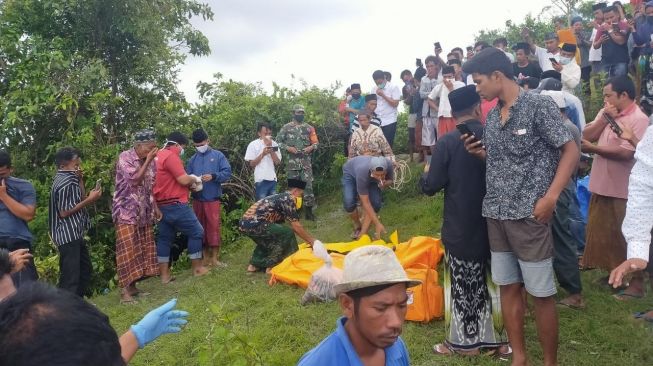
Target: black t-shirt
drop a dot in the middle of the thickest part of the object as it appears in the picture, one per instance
(612, 53)
(532, 70)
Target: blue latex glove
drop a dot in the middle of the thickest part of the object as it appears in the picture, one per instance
(159, 321)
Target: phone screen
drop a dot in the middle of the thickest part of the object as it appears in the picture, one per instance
(464, 130)
(553, 60)
(98, 184)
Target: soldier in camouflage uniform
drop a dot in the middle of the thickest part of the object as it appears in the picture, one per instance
(300, 141)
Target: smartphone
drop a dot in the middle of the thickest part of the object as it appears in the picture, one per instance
(464, 130)
(553, 60)
(437, 45)
(613, 124)
(275, 148)
(98, 184)
(615, 26)
(418, 62)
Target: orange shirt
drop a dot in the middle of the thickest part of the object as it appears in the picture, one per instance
(168, 168)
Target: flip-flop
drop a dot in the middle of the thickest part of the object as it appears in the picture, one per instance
(640, 314)
(571, 306)
(446, 349)
(128, 302)
(623, 296)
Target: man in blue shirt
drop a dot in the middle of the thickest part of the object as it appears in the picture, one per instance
(373, 298)
(17, 208)
(214, 169)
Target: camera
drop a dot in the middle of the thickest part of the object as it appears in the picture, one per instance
(418, 62)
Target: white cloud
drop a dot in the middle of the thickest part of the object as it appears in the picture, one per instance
(324, 41)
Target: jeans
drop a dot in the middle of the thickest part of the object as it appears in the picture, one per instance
(178, 217)
(265, 188)
(28, 273)
(350, 194)
(389, 132)
(620, 69)
(75, 267)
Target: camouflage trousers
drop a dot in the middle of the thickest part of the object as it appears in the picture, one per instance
(305, 175)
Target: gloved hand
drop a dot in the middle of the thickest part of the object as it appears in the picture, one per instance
(159, 321)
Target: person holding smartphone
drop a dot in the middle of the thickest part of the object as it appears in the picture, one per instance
(605, 246)
(612, 39)
(464, 234)
(69, 220)
(17, 208)
(548, 56)
(263, 155)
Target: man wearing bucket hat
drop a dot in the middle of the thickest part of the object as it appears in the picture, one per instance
(373, 300)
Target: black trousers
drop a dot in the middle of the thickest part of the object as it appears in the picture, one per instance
(565, 248)
(389, 132)
(28, 273)
(75, 267)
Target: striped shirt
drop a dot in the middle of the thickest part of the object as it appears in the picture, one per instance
(66, 193)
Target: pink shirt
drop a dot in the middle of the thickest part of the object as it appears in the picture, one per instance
(610, 177)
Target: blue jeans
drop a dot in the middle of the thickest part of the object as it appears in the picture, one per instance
(620, 69)
(350, 194)
(265, 188)
(178, 217)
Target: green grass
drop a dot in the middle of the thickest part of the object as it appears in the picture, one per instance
(271, 319)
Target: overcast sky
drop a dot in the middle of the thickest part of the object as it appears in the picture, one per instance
(324, 41)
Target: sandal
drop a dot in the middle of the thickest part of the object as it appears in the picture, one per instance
(624, 296)
(446, 349)
(569, 305)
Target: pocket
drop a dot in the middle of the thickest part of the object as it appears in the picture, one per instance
(520, 145)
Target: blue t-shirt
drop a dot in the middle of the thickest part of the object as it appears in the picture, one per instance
(355, 104)
(337, 350)
(12, 226)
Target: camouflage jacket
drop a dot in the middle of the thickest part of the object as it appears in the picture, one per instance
(299, 136)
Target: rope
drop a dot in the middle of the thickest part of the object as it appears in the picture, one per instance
(402, 175)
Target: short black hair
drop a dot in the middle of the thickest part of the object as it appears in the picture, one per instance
(388, 75)
(448, 69)
(622, 84)
(65, 155)
(610, 8)
(455, 61)
(262, 125)
(5, 262)
(404, 73)
(177, 137)
(378, 74)
(432, 59)
(199, 135)
(43, 325)
(458, 49)
(530, 81)
(5, 159)
(482, 44)
(488, 61)
(500, 40)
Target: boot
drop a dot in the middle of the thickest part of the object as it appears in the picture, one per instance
(309, 213)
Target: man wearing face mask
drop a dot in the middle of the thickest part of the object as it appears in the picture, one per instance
(389, 96)
(299, 139)
(214, 169)
(262, 222)
(171, 194)
(569, 70)
(642, 32)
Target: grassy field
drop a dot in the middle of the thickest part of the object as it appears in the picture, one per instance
(229, 308)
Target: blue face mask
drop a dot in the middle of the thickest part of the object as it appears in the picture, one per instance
(382, 85)
(299, 117)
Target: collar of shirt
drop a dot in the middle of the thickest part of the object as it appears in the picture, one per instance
(500, 105)
(391, 353)
(629, 110)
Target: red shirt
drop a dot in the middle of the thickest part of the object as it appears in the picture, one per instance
(486, 107)
(168, 168)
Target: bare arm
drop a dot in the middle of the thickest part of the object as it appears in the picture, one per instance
(128, 345)
(185, 180)
(24, 212)
(92, 197)
(610, 152)
(592, 131)
(545, 206)
(301, 232)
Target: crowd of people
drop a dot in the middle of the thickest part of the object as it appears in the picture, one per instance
(502, 134)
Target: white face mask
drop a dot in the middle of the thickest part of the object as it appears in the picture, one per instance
(565, 60)
(202, 149)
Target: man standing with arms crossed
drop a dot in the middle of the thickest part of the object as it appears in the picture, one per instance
(300, 140)
(530, 157)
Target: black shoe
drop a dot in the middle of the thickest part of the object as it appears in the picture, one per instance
(309, 213)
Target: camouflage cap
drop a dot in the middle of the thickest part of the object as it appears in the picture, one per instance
(298, 108)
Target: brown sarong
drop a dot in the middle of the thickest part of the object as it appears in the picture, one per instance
(605, 246)
(135, 254)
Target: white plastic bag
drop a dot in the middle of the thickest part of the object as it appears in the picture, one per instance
(322, 283)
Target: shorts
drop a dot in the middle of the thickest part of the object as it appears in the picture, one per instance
(522, 251)
(412, 119)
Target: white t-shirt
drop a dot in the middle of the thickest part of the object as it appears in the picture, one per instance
(595, 54)
(543, 57)
(387, 113)
(441, 91)
(265, 168)
(510, 56)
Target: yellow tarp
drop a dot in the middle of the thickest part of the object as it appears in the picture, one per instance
(418, 252)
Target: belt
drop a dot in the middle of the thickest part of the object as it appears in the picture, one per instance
(168, 203)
